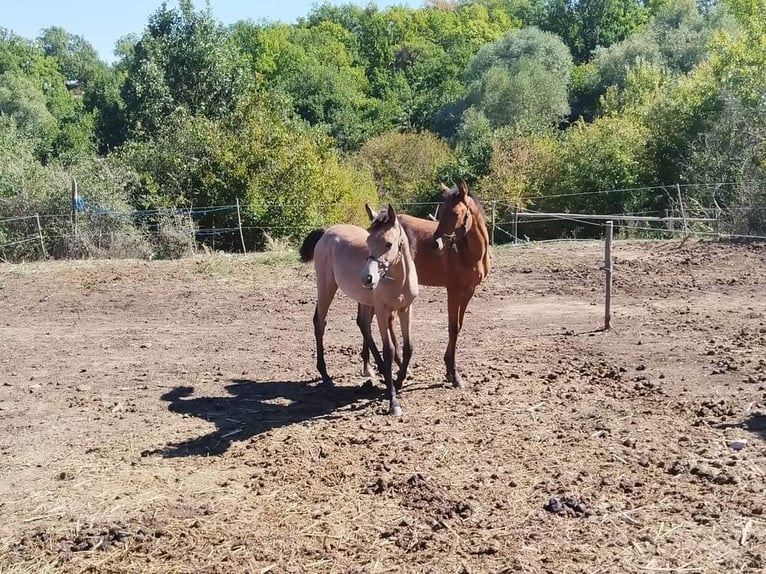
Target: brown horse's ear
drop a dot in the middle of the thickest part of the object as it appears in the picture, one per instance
(391, 214)
(444, 188)
(369, 211)
(462, 190)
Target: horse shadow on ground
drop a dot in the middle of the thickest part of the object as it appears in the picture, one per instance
(255, 407)
(754, 423)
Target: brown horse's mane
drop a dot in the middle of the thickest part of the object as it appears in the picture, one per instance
(382, 220)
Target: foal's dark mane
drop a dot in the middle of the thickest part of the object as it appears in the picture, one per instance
(382, 220)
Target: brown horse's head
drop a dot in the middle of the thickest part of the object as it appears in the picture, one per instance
(455, 216)
(385, 243)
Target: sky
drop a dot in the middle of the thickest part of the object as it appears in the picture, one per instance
(103, 22)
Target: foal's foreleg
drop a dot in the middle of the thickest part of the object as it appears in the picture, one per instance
(364, 316)
(392, 334)
(388, 355)
(405, 315)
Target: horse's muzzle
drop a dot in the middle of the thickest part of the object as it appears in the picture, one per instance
(443, 241)
(368, 282)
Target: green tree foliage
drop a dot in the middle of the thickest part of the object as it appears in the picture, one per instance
(675, 40)
(102, 98)
(414, 58)
(23, 102)
(519, 170)
(521, 80)
(291, 176)
(77, 60)
(682, 112)
(313, 66)
(584, 25)
(178, 167)
(184, 59)
(405, 166)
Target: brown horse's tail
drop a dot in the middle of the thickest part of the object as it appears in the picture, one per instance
(307, 249)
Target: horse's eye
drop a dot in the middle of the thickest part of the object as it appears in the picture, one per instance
(389, 245)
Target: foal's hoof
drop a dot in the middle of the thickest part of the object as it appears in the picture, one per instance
(395, 411)
(457, 381)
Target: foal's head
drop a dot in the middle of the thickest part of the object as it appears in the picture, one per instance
(385, 243)
(455, 216)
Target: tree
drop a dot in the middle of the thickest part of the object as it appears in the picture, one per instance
(521, 80)
(608, 154)
(184, 59)
(313, 66)
(404, 165)
(584, 25)
(78, 60)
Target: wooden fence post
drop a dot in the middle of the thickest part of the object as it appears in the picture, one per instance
(494, 208)
(683, 211)
(608, 269)
(515, 223)
(242, 236)
(40, 233)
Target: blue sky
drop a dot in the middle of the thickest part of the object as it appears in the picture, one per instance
(102, 22)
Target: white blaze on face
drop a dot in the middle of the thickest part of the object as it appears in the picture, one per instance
(371, 274)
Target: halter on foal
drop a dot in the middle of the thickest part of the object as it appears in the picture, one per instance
(374, 267)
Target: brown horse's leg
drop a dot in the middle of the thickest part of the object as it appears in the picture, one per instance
(405, 315)
(457, 301)
(364, 316)
(325, 294)
(388, 356)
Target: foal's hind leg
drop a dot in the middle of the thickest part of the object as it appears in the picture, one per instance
(325, 293)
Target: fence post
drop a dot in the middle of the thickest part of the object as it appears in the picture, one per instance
(515, 223)
(494, 208)
(717, 224)
(683, 211)
(40, 233)
(608, 269)
(75, 207)
(241, 235)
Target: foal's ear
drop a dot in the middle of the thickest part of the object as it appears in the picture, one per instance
(462, 190)
(369, 211)
(444, 188)
(391, 214)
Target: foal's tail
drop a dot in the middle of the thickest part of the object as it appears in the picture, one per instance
(307, 249)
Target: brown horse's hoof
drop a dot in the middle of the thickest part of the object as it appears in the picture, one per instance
(395, 410)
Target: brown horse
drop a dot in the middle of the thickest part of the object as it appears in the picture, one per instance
(374, 267)
(452, 252)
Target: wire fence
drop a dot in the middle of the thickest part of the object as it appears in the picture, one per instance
(92, 231)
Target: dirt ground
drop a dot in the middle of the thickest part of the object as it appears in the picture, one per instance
(165, 417)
